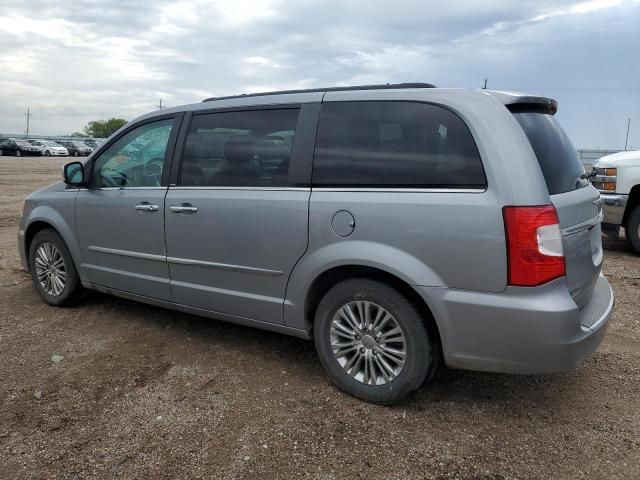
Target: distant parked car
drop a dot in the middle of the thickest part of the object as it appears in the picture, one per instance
(75, 147)
(49, 148)
(18, 147)
(93, 143)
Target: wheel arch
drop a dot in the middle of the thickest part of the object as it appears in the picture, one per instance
(44, 217)
(632, 203)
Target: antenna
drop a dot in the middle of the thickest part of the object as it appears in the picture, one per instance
(626, 142)
(160, 107)
(485, 84)
(28, 115)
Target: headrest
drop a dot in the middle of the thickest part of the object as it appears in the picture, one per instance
(239, 148)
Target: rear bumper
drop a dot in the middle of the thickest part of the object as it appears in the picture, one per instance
(522, 330)
(613, 206)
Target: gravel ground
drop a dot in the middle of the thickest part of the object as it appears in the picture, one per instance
(143, 392)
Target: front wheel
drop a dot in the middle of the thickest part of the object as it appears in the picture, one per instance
(47, 153)
(372, 341)
(52, 269)
(18, 153)
(632, 229)
(76, 154)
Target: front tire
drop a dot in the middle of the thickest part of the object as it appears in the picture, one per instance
(52, 269)
(372, 341)
(632, 229)
(47, 153)
(76, 154)
(18, 153)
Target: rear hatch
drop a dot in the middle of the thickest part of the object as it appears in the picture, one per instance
(576, 201)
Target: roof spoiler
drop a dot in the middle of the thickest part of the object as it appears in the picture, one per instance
(519, 102)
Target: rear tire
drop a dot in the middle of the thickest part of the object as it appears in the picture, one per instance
(372, 346)
(47, 153)
(76, 154)
(632, 229)
(18, 153)
(53, 272)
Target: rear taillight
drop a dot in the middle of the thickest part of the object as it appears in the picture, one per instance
(534, 245)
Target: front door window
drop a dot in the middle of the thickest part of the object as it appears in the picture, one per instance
(136, 159)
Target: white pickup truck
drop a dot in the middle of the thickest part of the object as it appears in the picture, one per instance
(617, 177)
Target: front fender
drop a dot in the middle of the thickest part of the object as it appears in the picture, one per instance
(351, 253)
(61, 219)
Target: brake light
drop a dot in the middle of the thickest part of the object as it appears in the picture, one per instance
(534, 245)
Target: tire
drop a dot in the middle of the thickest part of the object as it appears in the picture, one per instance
(420, 351)
(47, 153)
(18, 153)
(632, 229)
(1, 153)
(76, 154)
(72, 288)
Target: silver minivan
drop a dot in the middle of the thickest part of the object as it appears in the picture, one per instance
(399, 226)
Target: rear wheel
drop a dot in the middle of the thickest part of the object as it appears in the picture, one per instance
(372, 341)
(47, 153)
(18, 153)
(52, 269)
(76, 153)
(632, 229)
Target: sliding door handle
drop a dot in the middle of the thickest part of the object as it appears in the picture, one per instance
(184, 208)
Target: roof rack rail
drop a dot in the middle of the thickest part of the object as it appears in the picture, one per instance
(384, 86)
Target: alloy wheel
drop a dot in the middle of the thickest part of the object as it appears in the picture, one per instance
(368, 343)
(50, 269)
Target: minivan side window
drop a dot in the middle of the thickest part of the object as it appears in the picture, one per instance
(390, 144)
(134, 160)
(239, 149)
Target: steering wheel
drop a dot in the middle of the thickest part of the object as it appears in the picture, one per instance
(152, 170)
(112, 178)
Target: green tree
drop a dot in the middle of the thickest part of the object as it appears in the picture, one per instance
(78, 135)
(103, 128)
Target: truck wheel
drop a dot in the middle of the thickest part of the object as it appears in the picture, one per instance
(372, 341)
(632, 229)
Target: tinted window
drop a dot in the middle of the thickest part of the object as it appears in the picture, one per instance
(249, 148)
(136, 159)
(557, 157)
(394, 144)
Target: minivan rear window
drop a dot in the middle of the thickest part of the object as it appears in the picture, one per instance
(562, 169)
(390, 144)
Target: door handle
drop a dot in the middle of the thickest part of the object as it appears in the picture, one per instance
(147, 207)
(185, 208)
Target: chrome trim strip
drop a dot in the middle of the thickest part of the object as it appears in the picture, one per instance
(581, 226)
(267, 189)
(223, 266)
(128, 253)
(401, 190)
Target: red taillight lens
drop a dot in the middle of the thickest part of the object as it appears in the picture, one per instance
(534, 245)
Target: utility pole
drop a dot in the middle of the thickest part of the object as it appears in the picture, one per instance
(485, 84)
(626, 142)
(28, 115)
(160, 107)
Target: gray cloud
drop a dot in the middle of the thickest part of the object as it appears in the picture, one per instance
(75, 61)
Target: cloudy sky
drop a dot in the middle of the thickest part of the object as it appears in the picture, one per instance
(72, 61)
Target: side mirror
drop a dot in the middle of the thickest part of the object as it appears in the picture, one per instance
(73, 174)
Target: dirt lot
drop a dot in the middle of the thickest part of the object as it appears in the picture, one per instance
(148, 393)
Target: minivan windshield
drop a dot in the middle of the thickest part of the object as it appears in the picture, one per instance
(562, 169)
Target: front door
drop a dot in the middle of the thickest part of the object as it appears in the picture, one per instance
(120, 217)
(235, 226)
